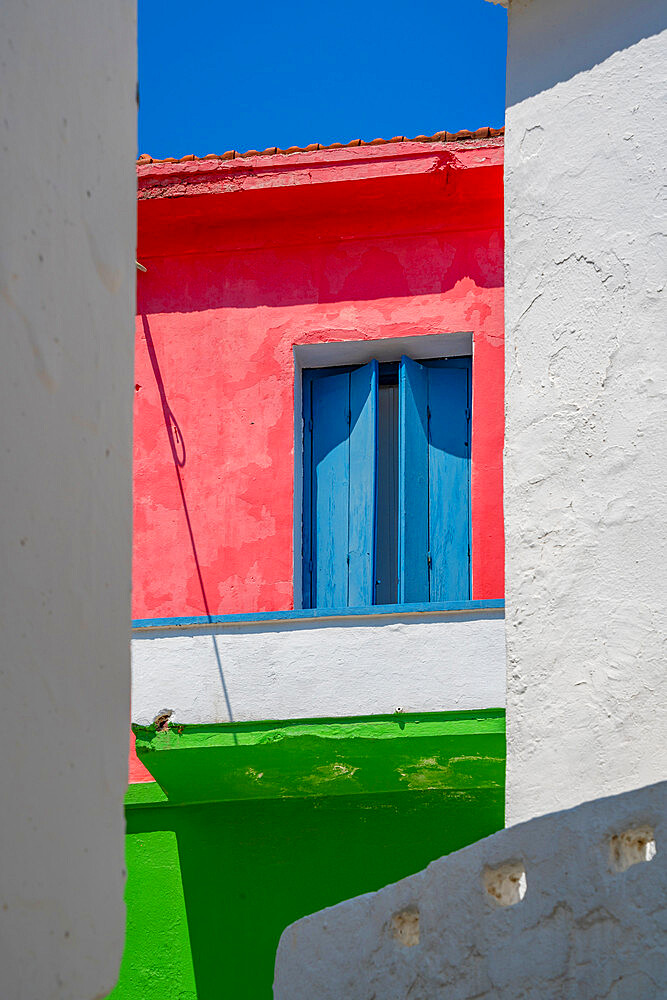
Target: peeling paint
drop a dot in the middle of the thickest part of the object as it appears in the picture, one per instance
(224, 317)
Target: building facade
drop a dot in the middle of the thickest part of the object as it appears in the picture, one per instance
(318, 642)
(565, 904)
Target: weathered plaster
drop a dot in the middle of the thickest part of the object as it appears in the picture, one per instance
(161, 179)
(251, 259)
(435, 662)
(67, 279)
(586, 398)
(543, 910)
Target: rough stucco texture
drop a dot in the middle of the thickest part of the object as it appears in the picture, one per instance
(223, 324)
(541, 911)
(67, 278)
(586, 395)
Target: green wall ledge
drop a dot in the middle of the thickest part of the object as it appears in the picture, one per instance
(455, 751)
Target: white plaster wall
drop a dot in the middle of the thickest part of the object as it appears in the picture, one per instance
(67, 149)
(586, 400)
(583, 929)
(320, 669)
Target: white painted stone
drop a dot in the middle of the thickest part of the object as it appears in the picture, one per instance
(67, 276)
(580, 929)
(586, 400)
(430, 662)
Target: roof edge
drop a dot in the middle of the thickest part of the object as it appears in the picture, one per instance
(231, 154)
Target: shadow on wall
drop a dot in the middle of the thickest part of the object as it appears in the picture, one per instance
(575, 41)
(359, 270)
(249, 869)
(179, 456)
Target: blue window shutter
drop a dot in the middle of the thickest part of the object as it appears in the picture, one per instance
(363, 484)
(339, 488)
(307, 540)
(434, 484)
(413, 482)
(449, 484)
(330, 501)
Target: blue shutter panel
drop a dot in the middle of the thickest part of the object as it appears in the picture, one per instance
(330, 489)
(413, 482)
(449, 484)
(363, 484)
(339, 497)
(434, 486)
(307, 576)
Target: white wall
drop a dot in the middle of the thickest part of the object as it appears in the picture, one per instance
(320, 668)
(586, 402)
(67, 149)
(564, 906)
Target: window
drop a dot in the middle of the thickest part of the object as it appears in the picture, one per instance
(386, 486)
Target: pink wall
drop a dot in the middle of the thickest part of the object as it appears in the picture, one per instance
(232, 286)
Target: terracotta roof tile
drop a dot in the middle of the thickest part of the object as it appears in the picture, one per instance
(231, 154)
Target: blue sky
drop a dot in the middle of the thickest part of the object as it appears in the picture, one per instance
(216, 75)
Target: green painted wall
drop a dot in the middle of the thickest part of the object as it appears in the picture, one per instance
(211, 885)
(349, 756)
(157, 961)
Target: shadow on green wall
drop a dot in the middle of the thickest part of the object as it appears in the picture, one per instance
(211, 887)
